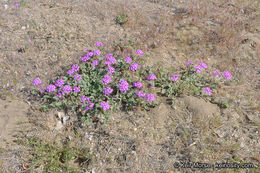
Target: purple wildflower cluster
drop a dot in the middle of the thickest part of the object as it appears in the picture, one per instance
(67, 89)
(227, 75)
(110, 59)
(174, 77)
(76, 89)
(108, 91)
(138, 85)
(139, 52)
(37, 81)
(98, 44)
(95, 63)
(59, 82)
(77, 77)
(105, 105)
(140, 94)
(128, 60)
(150, 97)
(151, 77)
(111, 70)
(208, 91)
(97, 52)
(50, 88)
(134, 67)
(106, 79)
(123, 86)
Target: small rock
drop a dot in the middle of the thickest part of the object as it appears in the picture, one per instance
(61, 115)
(64, 119)
(6, 6)
(58, 125)
(23, 27)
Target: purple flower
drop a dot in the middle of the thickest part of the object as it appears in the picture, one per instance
(188, 63)
(90, 54)
(140, 94)
(67, 89)
(208, 91)
(216, 73)
(227, 75)
(75, 67)
(83, 99)
(85, 58)
(138, 85)
(95, 63)
(128, 60)
(174, 77)
(106, 79)
(139, 52)
(111, 70)
(17, 4)
(197, 69)
(123, 86)
(107, 63)
(151, 77)
(90, 106)
(98, 44)
(110, 58)
(41, 89)
(70, 72)
(59, 95)
(150, 97)
(203, 65)
(37, 81)
(77, 77)
(105, 105)
(97, 52)
(108, 90)
(134, 67)
(59, 82)
(50, 88)
(76, 89)
(85, 50)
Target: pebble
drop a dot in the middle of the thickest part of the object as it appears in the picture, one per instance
(6, 6)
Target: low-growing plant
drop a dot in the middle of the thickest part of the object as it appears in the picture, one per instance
(101, 83)
(121, 18)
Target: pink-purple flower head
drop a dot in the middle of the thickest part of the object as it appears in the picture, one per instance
(59, 82)
(138, 85)
(111, 70)
(227, 75)
(98, 44)
(123, 86)
(84, 98)
(110, 58)
(208, 91)
(75, 67)
(41, 89)
(17, 4)
(216, 73)
(59, 95)
(188, 63)
(105, 105)
(128, 60)
(106, 79)
(150, 97)
(139, 52)
(95, 63)
(70, 72)
(90, 54)
(50, 88)
(97, 52)
(108, 90)
(90, 106)
(197, 69)
(140, 94)
(37, 81)
(203, 65)
(77, 77)
(151, 77)
(134, 67)
(85, 58)
(76, 89)
(67, 89)
(174, 77)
